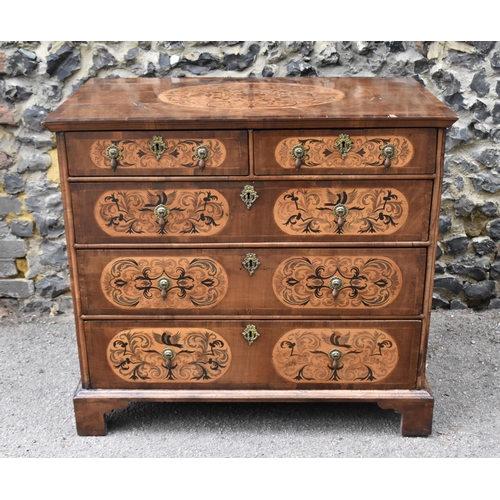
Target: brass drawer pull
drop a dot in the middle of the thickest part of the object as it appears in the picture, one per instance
(341, 212)
(251, 263)
(336, 285)
(164, 285)
(202, 153)
(335, 356)
(114, 153)
(343, 145)
(249, 196)
(388, 152)
(157, 146)
(162, 212)
(299, 152)
(168, 354)
(250, 334)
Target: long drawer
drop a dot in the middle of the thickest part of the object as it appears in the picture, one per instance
(263, 281)
(211, 212)
(283, 355)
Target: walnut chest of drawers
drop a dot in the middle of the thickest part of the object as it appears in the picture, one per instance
(252, 240)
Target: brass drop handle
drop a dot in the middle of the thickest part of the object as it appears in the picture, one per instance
(164, 285)
(114, 153)
(341, 212)
(336, 285)
(388, 152)
(168, 354)
(335, 356)
(162, 212)
(203, 154)
(299, 153)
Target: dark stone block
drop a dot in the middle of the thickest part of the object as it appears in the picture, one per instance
(482, 47)
(495, 61)
(439, 302)
(453, 285)
(300, 68)
(484, 245)
(37, 306)
(494, 304)
(13, 183)
(493, 229)
(480, 291)
(21, 228)
(495, 269)
(469, 266)
(23, 62)
(455, 101)
(463, 206)
(456, 244)
(444, 223)
(439, 269)
(328, 56)
(206, 62)
(305, 48)
(268, 71)
(439, 252)
(164, 61)
(53, 253)
(102, 59)
(489, 182)
(64, 62)
(239, 62)
(495, 114)
(480, 111)
(34, 117)
(422, 66)
(49, 226)
(395, 47)
(490, 209)
(488, 157)
(456, 304)
(17, 93)
(132, 54)
(446, 82)
(464, 59)
(51, 286)
(480, 84)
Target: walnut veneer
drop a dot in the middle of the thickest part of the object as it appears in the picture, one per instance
(252, 240)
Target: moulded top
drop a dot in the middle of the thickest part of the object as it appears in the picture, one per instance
(227, 103)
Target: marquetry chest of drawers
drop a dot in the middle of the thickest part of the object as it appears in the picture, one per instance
(252, 240)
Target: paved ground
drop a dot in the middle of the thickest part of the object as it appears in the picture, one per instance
(39, 373)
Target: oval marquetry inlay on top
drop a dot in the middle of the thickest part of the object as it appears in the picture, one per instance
(161, 283)
(365, 355)
(313, 211)
(179, 153)
(196, 355)
(366, 282)
(190, 212)
(366, 151)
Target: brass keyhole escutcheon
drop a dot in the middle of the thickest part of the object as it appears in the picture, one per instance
(114, 153)
(202, 153)
(343, 145)
(157, 146)
(336, 285)
(299, 153)
(251, 263)
(164, 285)
(249, 196)
(388, 152)
(250, 334)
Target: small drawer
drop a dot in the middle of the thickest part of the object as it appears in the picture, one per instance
(253, 281)
(261, 354)
(304, 211)
(157, 153)
(363, 151)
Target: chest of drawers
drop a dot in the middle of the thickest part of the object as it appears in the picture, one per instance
(252, 240)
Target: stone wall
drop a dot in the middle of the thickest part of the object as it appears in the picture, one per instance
(38, 76)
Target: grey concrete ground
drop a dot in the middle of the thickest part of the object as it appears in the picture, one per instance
(39, 373)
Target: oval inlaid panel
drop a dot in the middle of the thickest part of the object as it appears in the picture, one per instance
(367, 355)
(365, 152)
(179, 153)
(366, 282)
(188, 282)
(254, 95)
(200, 355)
(132, 212)
(312, 211)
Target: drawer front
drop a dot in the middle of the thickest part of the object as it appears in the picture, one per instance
(320, 282)
(370, 151)
(322, 211)
(283, 355)
(157, 153)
